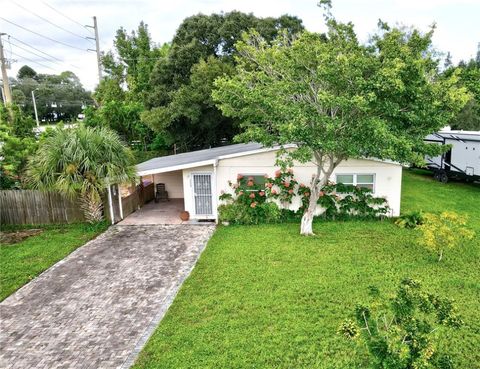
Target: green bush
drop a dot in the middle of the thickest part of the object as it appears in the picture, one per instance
(239, 213)
(410, 220)
(399, 332)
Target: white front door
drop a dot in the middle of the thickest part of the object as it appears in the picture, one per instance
(202, 194)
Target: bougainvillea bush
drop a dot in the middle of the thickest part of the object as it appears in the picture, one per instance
(253, 203)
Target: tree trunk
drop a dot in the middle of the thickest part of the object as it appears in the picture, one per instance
(92, 207)
(306, 226)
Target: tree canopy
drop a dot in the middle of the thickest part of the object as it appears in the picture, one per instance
(172, 83)
(58, 97)
(338, 99)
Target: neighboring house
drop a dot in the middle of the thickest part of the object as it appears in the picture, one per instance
(199, 177)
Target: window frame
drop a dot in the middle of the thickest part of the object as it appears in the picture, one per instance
(355, 181)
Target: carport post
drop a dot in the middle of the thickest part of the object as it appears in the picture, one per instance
(120, 201)
(110, 204)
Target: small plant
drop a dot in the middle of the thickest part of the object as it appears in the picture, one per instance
(444, 231)
(399, 334)
(410, 220)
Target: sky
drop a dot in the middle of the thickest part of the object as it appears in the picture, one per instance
(457, 32)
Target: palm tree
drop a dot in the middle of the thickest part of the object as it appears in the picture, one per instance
(81, 162)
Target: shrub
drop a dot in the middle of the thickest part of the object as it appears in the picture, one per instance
(444, 231)
(399, 334)
(410, 220)
(252, 205)
(238, 213)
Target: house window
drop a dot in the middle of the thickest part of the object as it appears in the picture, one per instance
(360, 180)
(258, 180)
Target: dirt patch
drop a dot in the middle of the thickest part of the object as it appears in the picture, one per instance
(10, 238)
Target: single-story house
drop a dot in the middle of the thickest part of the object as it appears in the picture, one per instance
(199, 177)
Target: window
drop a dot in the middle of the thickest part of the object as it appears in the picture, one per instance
(360, 180)
(258, 180)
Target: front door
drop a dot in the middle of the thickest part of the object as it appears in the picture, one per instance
(202, 192)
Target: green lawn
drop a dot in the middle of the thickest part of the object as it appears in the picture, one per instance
(264, 297)
(23, 261)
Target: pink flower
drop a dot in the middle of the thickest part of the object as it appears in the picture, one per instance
(253, 204)
(286, 184)
(252, 195)
(321, 193)
(269, 185)
(307, 194)
(302, 185)
(250, 183)
(278, 173)
(239, 176)
(261, 193)
(274, 192)
(240, 193)
(290, 191)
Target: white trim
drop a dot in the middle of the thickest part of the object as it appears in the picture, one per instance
(257, 151)
(176, 167)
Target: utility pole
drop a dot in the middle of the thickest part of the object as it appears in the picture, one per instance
(97, 48)
(6, 85)
(35, 108)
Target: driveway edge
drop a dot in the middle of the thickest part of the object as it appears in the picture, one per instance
(164, 306)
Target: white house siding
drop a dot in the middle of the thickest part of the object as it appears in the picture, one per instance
(188, 189)
(173, 183)
(388, 176)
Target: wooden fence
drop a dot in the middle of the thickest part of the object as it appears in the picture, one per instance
(37, 207)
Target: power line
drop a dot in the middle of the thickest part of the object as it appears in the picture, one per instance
(33, 61)
(66, 16)
(46, 37)
(49, 22)
(51, 59)
(40, 51)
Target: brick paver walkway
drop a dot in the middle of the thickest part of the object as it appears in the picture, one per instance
(97, 307)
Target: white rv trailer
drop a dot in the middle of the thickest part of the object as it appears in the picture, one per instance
(461, 161)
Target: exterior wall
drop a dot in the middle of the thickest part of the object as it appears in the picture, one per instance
(188, 190)
(388, 176)
(173, 183)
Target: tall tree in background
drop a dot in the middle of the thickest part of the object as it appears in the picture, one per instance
(58, 97)
(121, 94)
(337, 99)
(469, 77)
(179, 101)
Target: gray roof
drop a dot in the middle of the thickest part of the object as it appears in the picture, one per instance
(195, 156)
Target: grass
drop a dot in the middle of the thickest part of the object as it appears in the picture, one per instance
(23, 261)
(265, 297)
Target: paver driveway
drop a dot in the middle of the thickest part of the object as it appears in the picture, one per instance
(97, 307)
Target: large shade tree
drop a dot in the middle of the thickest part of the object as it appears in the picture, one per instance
(338, 99)
(81, 162)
